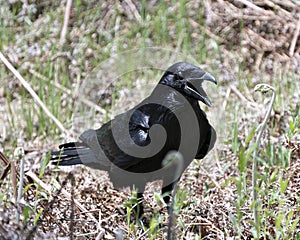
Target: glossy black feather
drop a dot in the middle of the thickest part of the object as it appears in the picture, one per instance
(99, 149)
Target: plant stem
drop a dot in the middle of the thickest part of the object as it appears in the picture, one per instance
(262, 126)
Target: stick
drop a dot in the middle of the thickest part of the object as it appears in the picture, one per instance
(256, 8)
(66, 22)
(242, 97)
(294, 40)
(60, 191)
(69, 92)
(27, 86)
(208, 33)
(63, 191)
(19, 153)
(134, 11)
(6, 168)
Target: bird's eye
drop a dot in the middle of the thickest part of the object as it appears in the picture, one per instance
(179, 76)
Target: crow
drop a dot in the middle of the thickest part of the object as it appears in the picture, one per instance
(132, 146)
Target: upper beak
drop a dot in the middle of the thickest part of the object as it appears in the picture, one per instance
(207, 76)
(194, 86)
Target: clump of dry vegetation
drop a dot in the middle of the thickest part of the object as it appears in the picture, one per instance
(263, 32)
(241, 42)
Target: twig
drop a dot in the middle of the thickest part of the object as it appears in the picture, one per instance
(72, 207)
(6, 168)
(276, 8)
(296, 2)
(90, 233)
(4, 159)
(14, 176)
(208, 33)
(226, 99)
(295, 38)
(49, 205)
(235, 12)
(27, 86)
(19, 154)
(262, 126)
(134, 11)
(257, 41)
(62, 191)
(100, 235)
(66, 22)
(200, 221)
(206, 222)
(217, 185)
(258, 60)
(254, 7)
(242, 97)
(287, 4)
(69, 92)
(60, 55)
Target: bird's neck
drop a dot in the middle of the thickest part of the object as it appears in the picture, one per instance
(169, 96)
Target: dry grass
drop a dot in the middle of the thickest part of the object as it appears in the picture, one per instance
(243, 42)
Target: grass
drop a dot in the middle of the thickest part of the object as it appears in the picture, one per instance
(214, 194)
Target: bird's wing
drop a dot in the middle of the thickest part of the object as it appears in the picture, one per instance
(135, 125)
(139, 128)
(108, 140)
(89, 137)
(208, 144)
(125, 141)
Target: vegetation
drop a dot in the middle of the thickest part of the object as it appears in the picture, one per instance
(114, 48)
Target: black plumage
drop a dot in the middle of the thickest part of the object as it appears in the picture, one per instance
(132, 146)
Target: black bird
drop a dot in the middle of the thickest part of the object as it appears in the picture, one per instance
(133, 145)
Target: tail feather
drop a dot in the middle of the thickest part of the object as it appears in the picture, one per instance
(67, 162)
(72, 145)
(74, 153)
(71, 153)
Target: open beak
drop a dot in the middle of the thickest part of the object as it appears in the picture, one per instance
(193, 86)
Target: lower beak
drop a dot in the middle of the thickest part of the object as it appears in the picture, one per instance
(194, 88)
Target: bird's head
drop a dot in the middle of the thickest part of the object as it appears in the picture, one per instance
(187, 79)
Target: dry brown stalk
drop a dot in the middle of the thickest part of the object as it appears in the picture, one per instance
(36, 98)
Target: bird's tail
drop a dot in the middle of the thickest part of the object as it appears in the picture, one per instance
(71, 153)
